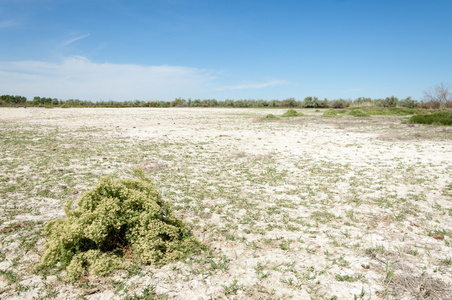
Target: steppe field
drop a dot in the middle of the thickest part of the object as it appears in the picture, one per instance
(307, 207)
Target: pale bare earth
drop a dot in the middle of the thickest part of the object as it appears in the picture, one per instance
(300, 208)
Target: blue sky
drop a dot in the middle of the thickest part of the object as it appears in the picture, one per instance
(127, 50)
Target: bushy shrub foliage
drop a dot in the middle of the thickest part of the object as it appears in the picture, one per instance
(313, 102)
(292, 113)
(290, 102)
(389, 102)
(436, 118)
(382, 111)
(408, 103)
(116, 221)
(341, 103)
(10, 99)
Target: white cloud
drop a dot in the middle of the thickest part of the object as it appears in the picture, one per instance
(74, 39)
(254, 85)
(79, 78)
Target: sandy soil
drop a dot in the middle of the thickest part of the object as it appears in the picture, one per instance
(301, 208)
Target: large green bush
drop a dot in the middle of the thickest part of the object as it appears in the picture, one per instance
(117, 220)
(436, 118)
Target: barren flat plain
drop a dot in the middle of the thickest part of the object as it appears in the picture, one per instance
(308, 207)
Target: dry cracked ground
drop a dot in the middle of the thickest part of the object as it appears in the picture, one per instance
(302, 208)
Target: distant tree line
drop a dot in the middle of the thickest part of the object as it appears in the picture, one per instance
(11, 100)
(308, 102)
(434, 98)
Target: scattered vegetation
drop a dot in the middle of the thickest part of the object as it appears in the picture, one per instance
(258, 206)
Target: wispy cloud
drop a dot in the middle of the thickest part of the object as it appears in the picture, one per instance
(78, 77)
(74, 39)
(7, 23)
(254, 85)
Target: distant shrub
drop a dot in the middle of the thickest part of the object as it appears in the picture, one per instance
(436, 118)
(117, 219)
(358, 113)
(152, 103)
(292, 113)
(408, 103)
(289, 102)
(313, 102)
(339, 103)
(178, 102)
(271, 117)
(389, 102)
(330, 113)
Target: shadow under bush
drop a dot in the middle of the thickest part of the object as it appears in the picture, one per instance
(115, 222)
